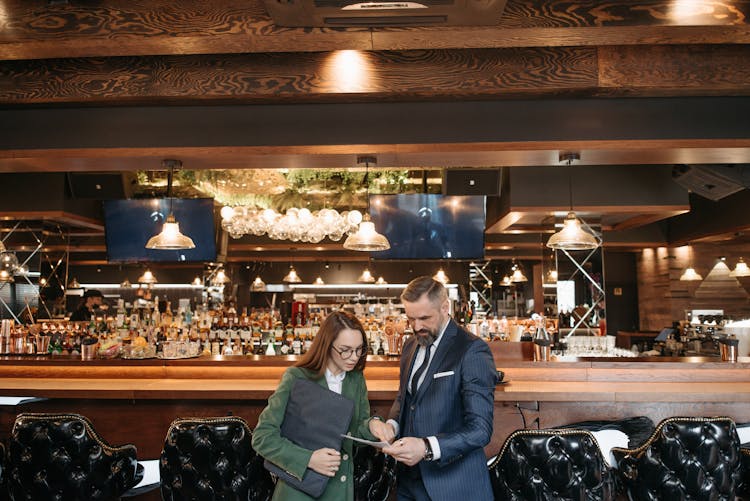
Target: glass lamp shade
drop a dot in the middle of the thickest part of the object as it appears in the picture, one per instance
(258, 285)
(319, 281)
(198, 282)
(170, 237)
(572, 236)
(221, 278)
(147, 278)
(125, 284)
(74, 284)
(6, 276)
(381, 281)
(690, 275)
(8, 261)
(740, 269)
(552, 276)
(366, 239)
(292, 276)
(506, 282)
(366, 277)
(518, 276)
(441, 277)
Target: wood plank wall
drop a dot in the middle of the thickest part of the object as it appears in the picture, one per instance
(663, 298)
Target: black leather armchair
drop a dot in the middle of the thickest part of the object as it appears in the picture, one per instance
(61, 457)
(374, 474)
(684, 458)
(212, 459)
(552, 464)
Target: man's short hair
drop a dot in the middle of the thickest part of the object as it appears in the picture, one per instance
(92, 293)
(436, 292)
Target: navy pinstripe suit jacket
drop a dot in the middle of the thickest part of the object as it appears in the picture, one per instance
(456, 407)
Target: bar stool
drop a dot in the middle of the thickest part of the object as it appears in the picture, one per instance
(684, 458)
(212, 459)
(60, 456)
(560, 464)
(374, 474)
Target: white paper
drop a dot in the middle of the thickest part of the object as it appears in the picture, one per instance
(151, 474)
(378, 445)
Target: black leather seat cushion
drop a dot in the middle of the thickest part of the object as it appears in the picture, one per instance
(212, 459)
(685, 458)
(61, 457)
(374, 474)
(549, 465)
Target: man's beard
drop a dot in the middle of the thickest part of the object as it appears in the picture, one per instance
(425, 337)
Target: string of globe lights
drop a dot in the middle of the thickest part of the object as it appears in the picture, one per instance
(296, 224)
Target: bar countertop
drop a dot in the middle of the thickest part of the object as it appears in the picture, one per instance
(585, 380)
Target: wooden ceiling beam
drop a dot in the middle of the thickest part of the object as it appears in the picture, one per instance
(640, 71)
(38, 29)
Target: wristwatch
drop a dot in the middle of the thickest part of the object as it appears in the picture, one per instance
(427, 451)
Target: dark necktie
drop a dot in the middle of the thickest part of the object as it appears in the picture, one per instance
(420, 370)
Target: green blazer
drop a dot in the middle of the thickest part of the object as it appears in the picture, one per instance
(268, 442)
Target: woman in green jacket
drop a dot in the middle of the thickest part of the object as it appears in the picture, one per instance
(335, 360)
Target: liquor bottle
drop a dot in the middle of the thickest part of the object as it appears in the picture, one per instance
(167, 318)
(297, 343)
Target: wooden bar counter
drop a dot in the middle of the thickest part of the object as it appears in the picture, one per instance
(135, 401)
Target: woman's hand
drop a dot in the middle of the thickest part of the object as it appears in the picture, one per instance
(382, 430)
(325, 461)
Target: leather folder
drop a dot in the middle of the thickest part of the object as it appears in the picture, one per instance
(315, 417)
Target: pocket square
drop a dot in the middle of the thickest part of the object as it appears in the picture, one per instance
(442, 374)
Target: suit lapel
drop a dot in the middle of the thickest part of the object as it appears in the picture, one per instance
(443, 348)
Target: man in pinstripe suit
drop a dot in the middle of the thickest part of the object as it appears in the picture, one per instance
(443, 412)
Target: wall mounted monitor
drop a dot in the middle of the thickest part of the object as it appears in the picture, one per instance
(130, 223)
(425, 226)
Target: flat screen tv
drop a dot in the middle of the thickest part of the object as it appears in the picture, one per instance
(423, 226)
(129, 224)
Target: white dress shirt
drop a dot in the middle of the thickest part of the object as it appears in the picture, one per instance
(434, 444)
(335, 382)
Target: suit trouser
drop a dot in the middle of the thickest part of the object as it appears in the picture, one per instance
(410, 485)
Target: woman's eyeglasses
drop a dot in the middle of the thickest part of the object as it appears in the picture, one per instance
(347, 353)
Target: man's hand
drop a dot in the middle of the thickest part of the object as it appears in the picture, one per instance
(382, 430)
(407, 450)
(325, 461)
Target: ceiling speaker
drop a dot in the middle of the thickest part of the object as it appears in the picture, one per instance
(472, 182)
(100, 185)
(712, 181)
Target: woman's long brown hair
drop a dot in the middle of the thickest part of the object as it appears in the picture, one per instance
(316, 358)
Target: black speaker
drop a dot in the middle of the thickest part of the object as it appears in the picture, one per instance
(711, 181)
(100, 185)
(472, 182)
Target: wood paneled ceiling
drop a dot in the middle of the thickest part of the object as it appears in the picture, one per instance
(118, 86)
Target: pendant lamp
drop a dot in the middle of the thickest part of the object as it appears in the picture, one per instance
(258, 285)
(170, 237)
(147, 278)
(198, 282)
(366, 277)
(690, 275)
(517, 276)
(221, 278)
(125, 284)
(292, 276)
(441, 277)
(319, 281)
(366, 238)
(572, 236)
(740, 269)
(381, 281)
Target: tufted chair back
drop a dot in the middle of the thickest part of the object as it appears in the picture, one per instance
(551, 465)
(374, 474)
(685, 458)
(212, 459)
(61, 457)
